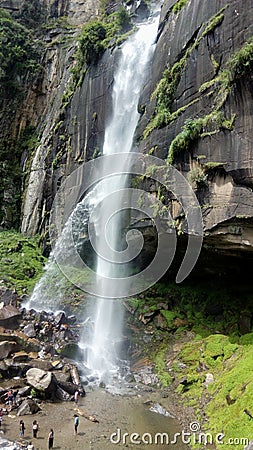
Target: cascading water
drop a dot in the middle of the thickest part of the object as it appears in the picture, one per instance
(128, 82)
(100, 349)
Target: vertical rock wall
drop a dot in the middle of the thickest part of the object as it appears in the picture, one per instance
(208, 39)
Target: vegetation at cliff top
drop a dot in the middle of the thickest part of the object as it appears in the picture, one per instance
(19, 55)
(21, 261)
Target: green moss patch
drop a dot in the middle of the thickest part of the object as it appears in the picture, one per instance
(159, 358)
(165, 90)
(179, 5)
(21, 261)
(225, 400)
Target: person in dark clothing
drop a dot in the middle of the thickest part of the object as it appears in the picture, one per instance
(21, 428)
(51, 438)
(35, 428)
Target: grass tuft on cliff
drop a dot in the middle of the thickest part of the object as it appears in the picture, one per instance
(21, 261)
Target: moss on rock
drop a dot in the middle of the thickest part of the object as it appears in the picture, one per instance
(21, 261)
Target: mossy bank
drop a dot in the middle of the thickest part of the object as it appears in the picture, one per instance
(199, 353)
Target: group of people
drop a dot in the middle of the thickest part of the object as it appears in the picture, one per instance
(35, 426)
(35, 429)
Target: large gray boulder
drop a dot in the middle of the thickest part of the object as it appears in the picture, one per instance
(41, 380)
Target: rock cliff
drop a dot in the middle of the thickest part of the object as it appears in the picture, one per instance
(196, 111)
(200, 118)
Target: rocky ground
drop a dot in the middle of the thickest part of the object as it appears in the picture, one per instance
(37, 362)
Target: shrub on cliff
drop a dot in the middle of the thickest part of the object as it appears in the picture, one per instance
(97, 35)
(19, 56)
(91, 42)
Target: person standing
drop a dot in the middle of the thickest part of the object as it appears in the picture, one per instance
(21, 428)
(76, 423)
(51, 438)
(76, 396)
(10, 398)
(35, 428)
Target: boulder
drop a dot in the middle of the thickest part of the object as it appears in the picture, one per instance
(28, 406)
(60, 318)
(22, 341)
(61, 377)
(32, 345)
(50, 348)
(147, 316)
(71, 319)
(62, 395)
(9, 316)
(33, 355)
(7, 296)
(29, 330)
(7, 347)
(17, 369)
(40, 379)
(72, 351)
(69, 387)
(57, 364)
(3, 369)
(20, 357)
(43, 364)
(160, 322)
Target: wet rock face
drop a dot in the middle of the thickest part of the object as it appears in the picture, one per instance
(77, 11)
(72, 134)
(227, 195)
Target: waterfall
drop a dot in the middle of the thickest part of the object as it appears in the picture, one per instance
(101, 353)
(129, 78)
